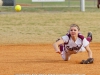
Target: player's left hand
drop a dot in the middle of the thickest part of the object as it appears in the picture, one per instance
(88, 61)
(58, 52)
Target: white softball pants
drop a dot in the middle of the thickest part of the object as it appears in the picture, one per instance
(65, 55)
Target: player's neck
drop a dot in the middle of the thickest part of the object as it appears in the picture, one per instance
(74, 38)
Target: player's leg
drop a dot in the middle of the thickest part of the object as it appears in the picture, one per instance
(89, 36)
(65, 55)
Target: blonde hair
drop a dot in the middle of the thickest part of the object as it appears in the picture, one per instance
(75, 25)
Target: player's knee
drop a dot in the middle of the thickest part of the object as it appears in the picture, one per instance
(65, 58)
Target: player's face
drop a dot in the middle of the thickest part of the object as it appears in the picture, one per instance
(74, 31)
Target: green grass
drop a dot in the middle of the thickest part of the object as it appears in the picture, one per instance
(66, 3)
(49, 9)
(67, 6)
(45, 24)
(23, 1)
(29, 28)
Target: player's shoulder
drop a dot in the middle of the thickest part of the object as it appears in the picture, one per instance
(65, 38)
(85, 40)
(80, 36)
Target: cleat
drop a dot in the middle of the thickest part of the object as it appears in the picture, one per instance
(98, 6)
(89, 36)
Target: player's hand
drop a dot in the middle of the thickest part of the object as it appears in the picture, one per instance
(58, 52)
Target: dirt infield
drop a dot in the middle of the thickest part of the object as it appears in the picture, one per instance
(42, 60)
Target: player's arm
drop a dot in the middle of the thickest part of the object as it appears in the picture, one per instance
(90, 58)
(89, 51)
(56, 45)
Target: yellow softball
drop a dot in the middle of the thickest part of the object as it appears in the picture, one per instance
(18, 8)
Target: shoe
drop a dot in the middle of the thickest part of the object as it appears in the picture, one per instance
(89, 36)
(98, 6)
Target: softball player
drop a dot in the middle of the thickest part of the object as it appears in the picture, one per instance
(72, 43)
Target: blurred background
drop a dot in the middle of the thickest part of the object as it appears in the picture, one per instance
(37, 5)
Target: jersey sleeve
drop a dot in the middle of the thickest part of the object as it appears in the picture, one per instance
(85, 42)
(65, 38)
